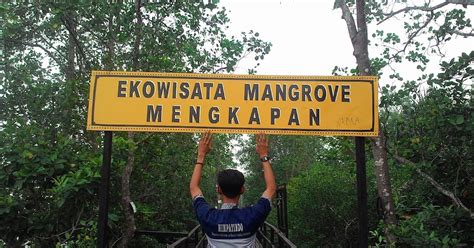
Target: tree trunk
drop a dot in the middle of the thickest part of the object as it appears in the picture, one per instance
(71, 51)
(129, 225)
(384, 187)
(70, 68)
(358, 36)
(109, 61)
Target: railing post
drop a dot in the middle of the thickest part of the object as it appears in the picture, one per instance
(282, 212)
(280, 242)
(196, 237)
(285, 211)
(272, 237)
(264, 233)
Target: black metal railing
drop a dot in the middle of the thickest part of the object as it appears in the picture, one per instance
(281, 200)
(270, 236)
(195, 238)
(163, 237)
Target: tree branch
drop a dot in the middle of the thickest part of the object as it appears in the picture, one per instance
(347, 16)
(433, 182)
(464, 3)
(360, 42)
(129, 225)
(66, 22)
(470, 34)
(220, 69)
(144, 139)
(138, 35)
(49, 53)
(413, 35)
(361, 22)
(407, 9)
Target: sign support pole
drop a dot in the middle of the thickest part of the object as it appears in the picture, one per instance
(362, 192)
(103, 237)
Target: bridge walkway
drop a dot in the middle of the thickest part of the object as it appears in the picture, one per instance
(268, 234)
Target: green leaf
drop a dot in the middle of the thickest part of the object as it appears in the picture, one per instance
(459, 120)
(113, 217)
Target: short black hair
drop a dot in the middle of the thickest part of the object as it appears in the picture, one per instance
(230, 181)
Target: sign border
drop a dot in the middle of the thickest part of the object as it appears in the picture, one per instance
(325, 132)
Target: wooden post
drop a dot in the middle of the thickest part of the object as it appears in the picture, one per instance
(362, 192)
(103, 237)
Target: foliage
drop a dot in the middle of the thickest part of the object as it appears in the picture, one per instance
(433, 127)
(42, 180)
(436, 226)
(439, 133)
(425, 31)
(50, 163)
(426, 116)
(320, 174)
(291, 155)
(323, 206)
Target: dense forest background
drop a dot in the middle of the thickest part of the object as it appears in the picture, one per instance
(50, 164)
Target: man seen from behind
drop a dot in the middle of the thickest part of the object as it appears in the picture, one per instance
(231, 226)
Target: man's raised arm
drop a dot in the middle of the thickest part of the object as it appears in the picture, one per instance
(204, 147)
(262, 150)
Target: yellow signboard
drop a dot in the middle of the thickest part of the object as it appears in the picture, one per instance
(182, 102)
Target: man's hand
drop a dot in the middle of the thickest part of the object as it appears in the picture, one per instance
(205, 145)
(269, 177)
(262, 145)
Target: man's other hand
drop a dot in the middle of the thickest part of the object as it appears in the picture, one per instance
(205, 145)
(262, 145)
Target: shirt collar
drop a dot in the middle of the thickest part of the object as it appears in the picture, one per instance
(228, 205)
